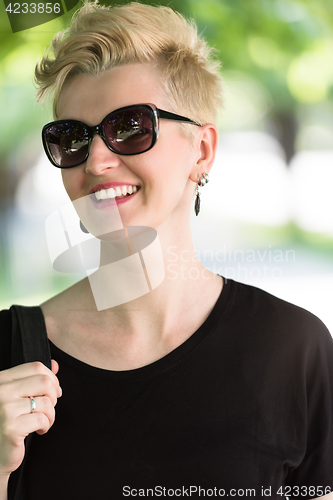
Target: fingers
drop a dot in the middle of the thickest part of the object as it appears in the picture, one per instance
(38, 373)
(28, 370)
(37, 385)
(42, 385)
(44, 408)
(21, 422)
(18, 416)
(17, 430)
(23, 406)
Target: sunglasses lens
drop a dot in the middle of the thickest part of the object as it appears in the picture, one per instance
(130, 131)
(67, 143)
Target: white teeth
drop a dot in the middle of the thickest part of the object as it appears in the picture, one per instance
(105, 194)
(111, 193)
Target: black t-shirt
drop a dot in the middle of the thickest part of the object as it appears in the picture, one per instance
(243, 408)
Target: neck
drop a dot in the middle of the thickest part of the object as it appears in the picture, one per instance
(139, 331)
(139, 296)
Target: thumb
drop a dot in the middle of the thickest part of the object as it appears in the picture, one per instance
(55, 366)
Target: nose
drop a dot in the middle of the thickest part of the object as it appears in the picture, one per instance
(100, 158)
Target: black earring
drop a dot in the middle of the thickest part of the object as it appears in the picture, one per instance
(83, 228)
(197, 201)
(204, 179)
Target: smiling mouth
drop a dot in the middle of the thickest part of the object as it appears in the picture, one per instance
(116, 193)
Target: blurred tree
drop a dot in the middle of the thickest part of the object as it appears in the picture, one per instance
(286, 45)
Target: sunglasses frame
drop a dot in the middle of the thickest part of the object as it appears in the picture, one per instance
(155, 114)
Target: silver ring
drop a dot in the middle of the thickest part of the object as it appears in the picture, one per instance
(33, 404)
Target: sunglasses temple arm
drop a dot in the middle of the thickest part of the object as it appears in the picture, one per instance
(172, 116)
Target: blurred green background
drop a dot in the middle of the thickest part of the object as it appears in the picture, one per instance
(267, 214)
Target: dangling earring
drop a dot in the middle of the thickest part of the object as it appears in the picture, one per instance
(204, 179)
(83, 228)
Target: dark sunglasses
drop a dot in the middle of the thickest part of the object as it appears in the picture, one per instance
(131, 130)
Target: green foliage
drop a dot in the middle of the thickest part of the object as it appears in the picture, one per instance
(272, 41)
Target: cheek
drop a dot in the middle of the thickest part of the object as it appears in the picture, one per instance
(173, 156)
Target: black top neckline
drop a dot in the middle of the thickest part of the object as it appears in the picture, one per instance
(161, 364)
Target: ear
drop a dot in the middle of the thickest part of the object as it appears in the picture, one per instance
(206, 143)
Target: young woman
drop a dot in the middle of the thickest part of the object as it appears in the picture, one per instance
(201, 386)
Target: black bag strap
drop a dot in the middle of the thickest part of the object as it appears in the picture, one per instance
(29, 343)
(29, 328)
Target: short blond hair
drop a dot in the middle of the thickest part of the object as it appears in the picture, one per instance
(102, 37)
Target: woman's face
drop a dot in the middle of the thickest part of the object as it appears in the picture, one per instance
(166, 173)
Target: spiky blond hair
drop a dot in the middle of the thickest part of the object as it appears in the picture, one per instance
(102, 37)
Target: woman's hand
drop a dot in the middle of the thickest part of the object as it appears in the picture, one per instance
(16, 419)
